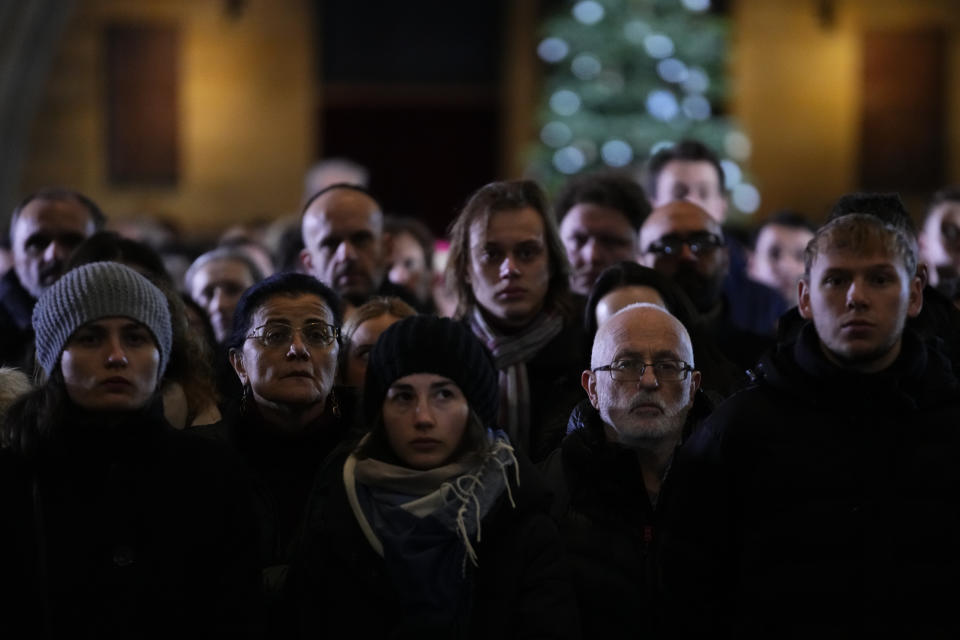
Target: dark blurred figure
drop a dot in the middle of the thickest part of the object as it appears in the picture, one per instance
(600, 215)
(410, 258)
(360, 333)
(44, 228)
(216, 280)
(682, 241)
(691, 171)
(778, 246)
(940, 239)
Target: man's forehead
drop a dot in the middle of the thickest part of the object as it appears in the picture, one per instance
(642, 330)
(54, 215)
(509, 225)
(224, 269)
(679, 217)
(781, 233)
(852, 259)
(589, 214)
(690, 171)
(343, 208)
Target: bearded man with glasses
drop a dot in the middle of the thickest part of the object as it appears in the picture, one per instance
(682, 241)
(610, 474)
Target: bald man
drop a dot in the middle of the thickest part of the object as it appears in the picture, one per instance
(342, 235)
(610, 470)
(685, 243)
(682, 241)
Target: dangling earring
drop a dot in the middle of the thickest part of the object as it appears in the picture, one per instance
(334, 404)
(244, 398)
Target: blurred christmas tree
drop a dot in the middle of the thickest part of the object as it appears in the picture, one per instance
(624, 77)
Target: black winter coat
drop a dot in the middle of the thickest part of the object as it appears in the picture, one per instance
(609, 526)
(16, 328)
(278, 472)
(521, 588)
(128, 530)
(822, 503)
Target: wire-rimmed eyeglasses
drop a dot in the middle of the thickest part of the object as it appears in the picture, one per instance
(631, 370)
(273, 335)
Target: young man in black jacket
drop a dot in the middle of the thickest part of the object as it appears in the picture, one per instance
(823, 500)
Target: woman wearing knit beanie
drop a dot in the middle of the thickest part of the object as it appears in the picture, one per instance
(431, 526)
(115, 524)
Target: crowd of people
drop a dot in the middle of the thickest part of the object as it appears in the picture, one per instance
(611, 417)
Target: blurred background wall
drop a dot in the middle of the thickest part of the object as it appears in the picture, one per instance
(234, 99)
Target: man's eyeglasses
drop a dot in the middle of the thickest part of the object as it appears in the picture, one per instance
(699, 243)
(275, 335)
(629, 370)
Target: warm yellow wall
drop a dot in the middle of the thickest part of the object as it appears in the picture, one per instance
(246, 111)
(797, 86)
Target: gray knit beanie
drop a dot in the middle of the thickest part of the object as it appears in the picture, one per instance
(93, 291)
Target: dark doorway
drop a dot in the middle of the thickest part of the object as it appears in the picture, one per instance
(903, 135)
(411, 91)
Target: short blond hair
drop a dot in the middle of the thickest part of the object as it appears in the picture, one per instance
(860, 233)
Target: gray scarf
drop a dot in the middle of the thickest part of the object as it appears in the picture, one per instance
(458, 495)
(511, 354)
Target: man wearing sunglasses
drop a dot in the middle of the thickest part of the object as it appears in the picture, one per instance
(683, 242)
(690, 171)
(610, 472)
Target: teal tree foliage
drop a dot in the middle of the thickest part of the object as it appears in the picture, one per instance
(623, 77)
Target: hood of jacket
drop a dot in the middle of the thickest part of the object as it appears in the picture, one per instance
(921, 377)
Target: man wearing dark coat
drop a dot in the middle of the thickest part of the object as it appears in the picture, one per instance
(612, 469)
(823, 501)
(682, 241)
(510, 272)
(44, 228)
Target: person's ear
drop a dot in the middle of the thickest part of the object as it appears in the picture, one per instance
(306, 260)
(588, 380)
(236, 361)
(803, 299)
(696, 378)
(915, 301)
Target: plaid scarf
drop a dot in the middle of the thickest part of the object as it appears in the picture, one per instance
(511, 354)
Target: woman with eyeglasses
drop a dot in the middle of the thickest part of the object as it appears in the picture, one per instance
(284, 350)
(431, 526)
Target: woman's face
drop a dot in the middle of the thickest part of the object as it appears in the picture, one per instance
(290, 355)
(625, 296)
(111, 364)
(425, 416)
(361, 342)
